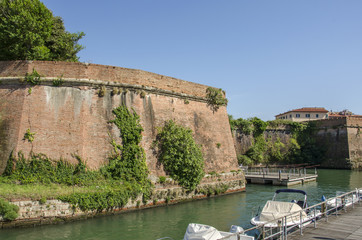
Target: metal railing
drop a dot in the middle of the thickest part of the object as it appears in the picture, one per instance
(316, 212)
(280, 172)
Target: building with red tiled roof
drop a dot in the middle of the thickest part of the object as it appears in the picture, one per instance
(304, 114)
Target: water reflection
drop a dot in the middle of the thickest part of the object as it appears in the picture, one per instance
(220, 212)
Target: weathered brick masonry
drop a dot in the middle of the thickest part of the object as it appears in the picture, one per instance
(72, 118)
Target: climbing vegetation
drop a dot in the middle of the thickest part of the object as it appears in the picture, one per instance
(122, 179)
(180, 155)
(29, 136)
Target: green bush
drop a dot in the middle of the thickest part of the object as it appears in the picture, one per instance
(245, 160)
(8, 211)
(180, 155)
(215, 98)
(162, 179)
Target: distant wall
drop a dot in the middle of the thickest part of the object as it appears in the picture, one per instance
(354, 128)
(243, 142)
(333, 135)
(341, 138)
(72, 118)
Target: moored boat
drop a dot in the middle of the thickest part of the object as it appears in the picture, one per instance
(197, 231)
(296, 211)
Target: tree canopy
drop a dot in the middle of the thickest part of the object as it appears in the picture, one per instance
(29, 31)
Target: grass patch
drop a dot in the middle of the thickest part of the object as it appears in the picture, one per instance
(36, 191)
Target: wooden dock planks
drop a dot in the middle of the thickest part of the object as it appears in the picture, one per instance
(346, 225)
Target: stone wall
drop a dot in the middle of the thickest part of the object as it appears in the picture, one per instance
(73, 119)
(33, 213)
(333, 135)
(243, 142)
(354, 125)
(341, 138)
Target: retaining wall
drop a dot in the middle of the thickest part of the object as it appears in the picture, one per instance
(34, 213)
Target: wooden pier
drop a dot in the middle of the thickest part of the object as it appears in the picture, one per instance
(280, 177)
(344, 225)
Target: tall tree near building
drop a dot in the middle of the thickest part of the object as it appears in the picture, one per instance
(29, 31)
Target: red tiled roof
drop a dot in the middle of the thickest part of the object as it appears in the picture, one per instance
(306, 109)
(310, 110)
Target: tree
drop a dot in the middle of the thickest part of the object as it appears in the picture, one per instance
(29, 31)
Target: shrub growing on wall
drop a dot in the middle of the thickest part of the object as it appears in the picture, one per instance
(180, 155)
(8, 211)
(215, 98)
(128, 161)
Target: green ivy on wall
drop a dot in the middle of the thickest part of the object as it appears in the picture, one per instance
(180, 155)
(128, 161)
(124, 177)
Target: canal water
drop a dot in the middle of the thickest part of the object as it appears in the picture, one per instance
(220, 212)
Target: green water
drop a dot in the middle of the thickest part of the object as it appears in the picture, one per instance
(220, 212)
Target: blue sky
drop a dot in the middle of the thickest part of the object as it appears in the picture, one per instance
(270, 56)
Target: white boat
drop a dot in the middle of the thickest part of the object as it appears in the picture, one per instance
(344, 201)
(197, 231)
(294, 210)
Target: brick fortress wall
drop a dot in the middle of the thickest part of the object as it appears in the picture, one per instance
(72, 118)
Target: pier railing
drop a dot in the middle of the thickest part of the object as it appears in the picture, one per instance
(279, 172)
(317, 212)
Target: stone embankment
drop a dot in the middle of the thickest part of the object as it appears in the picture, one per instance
(34, 213)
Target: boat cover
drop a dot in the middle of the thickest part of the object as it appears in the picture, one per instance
(196, 231)
(274, 209)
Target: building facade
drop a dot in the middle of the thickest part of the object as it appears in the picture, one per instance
(304, 114)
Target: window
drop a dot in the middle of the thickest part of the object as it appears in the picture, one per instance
(290, 116)
(297, 115)
(307, 115)
(317, 115)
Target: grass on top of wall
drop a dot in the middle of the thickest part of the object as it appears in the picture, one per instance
(36, 191)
